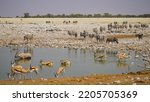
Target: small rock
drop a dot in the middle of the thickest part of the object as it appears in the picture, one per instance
(134, 84)
(128, 76)
(113, 77)
(107, 83)
(146, 78)
(99, 83)
(117, 82)
(33, 81)
(85, 78)
(137, 78)
(20, 82)
(45, 79)
(125, 79)
(78, 80)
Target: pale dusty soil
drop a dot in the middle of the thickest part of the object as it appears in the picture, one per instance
(12, 34)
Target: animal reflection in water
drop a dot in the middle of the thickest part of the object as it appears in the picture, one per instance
(65, 63)
(19, 70)
(26, 55)
(122, 64)
(147, 63)
(23, 61)
(100, 56)
(23, 56)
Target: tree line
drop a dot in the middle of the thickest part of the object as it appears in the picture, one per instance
(27, 15)
(104, 15)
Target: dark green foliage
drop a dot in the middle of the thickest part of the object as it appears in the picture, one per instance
(27, 15)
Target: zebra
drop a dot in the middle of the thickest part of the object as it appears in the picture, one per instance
(28, 37)
(95, 30)
(140, 36)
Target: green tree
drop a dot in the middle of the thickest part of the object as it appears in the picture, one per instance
(97, 15)
(107, 15)
(26, 15)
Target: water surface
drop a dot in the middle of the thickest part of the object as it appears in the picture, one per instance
(83, 62)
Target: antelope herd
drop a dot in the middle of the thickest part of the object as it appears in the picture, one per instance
(17, 69)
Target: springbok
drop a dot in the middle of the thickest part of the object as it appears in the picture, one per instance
(65, 63)
(59, 71)
(47, 63)
(16, 66)
(34, 69)
(98, 56)
(122, 56)
(18, 69)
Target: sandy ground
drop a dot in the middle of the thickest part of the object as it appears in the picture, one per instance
(55, 34)
(138, 78)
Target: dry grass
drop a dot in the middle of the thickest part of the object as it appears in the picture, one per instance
(123, 36)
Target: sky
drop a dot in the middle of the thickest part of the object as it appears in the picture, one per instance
(13, 8)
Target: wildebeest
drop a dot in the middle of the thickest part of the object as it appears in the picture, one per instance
(144, 26)
(73, 33)
(66, 22)
(48, 21)
(114, 39)
(140, 36)
(130, 26)
(28, 37)
(75, 22)
(84, 34)
(91, 36)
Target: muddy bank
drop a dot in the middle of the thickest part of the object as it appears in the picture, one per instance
(138, 78)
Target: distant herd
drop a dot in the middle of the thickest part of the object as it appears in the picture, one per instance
(112, 28)
(98, 34)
